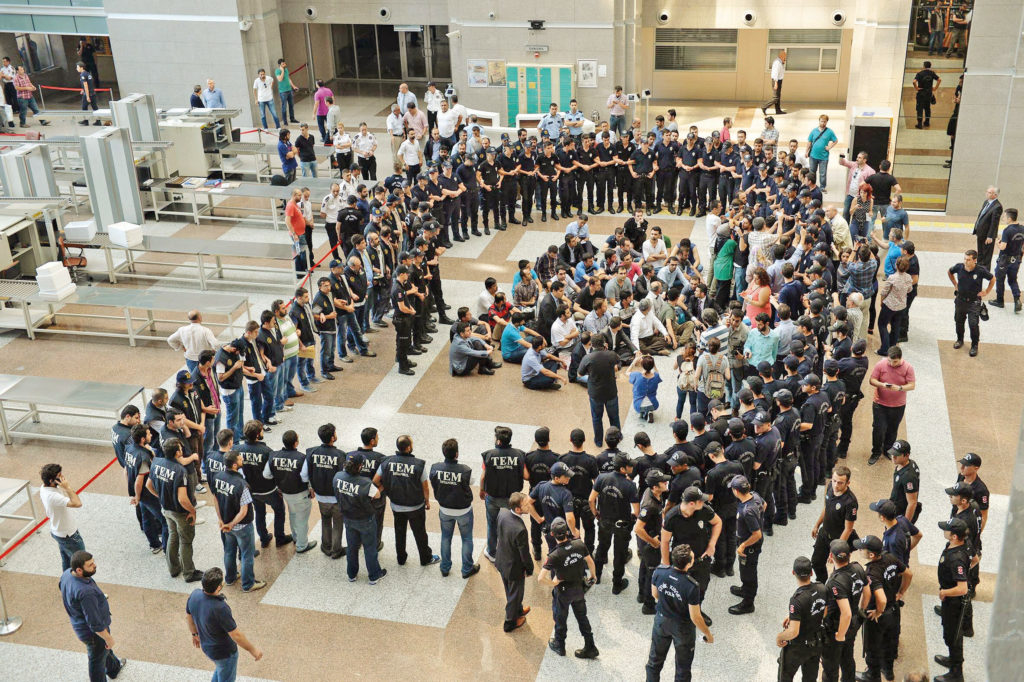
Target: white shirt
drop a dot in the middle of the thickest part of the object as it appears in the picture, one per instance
(394, 124)
(711, 225)
(483, 302)
(364, 144)
(55, 503)
(347, 190)
(559, 330)
(264, 91)
(642, 326)
(332, 204)
(446, 121)
(778, 70)
(193, 339)
(433, 100)
(307, 211)
(342, 143)
(653, 249)
(403, 99)
(409, 152)
(461, 111)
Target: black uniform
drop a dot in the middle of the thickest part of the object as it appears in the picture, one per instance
(967, 304)
(264, 491)
(548, 189)
(503, 475)
(605, 176)
(538, 465)
(555, 502)
(786, 494)
(838, 510)
(403, 325)
(567, 562)
(616, 496)
(371, 463)
(954, 566)
(643, 186)
(645, 463)
(322, 463)
(748, 522)
(585, 470)
(527, 182)
(881, 637)
(845, 583)
(470, 198)
(717, 485)
(836, 392)
(567, 179)
(767, 447)
(695, 531)
(402, 476)
(906, 480)
(623, 179)
(812, 466)
(677, 592)
(650, 557)
(852, 371)
(585, 180)
(688, 179)
(807, 607)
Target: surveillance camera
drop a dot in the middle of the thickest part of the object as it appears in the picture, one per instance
(453, 34)
(750, 17)
(646, 94)
(245, 24)
(663, 16)
(838, 17)
(384, 13)
(311, 13)
(492, 16)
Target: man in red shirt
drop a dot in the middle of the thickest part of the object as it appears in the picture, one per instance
(892, 379)
(296, 229)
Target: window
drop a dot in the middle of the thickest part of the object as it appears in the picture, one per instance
(807, 50)
(34, 51)
(688, 49)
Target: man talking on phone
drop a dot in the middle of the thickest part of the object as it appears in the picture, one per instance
(892, 379)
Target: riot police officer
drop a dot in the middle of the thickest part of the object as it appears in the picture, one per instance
(566, 568)
(953, 569)
(845, 590)
(800, 641)
(584, 469)
(538, 465)
(787, 423)
(836, 520)
(835, 389)
(555, 502)
(648, 535)
(403, 320)
(677, 617)
(852, 371)
(813, 415)
(906, 481)
(768, 445)
(749, 513)
(614, 502)
(888, 580)
(720, 475)
(693, 523)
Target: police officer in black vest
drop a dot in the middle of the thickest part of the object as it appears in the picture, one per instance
(323, 462)
(255, 455)
(953, 569)
(648, 535)
(888, 580)
(538, 467)
(677, 616)
(800, 640)
(168, 482)
(584, 469)
(614, 502)
(371, 462)
(404, 480)
(403, 320)
(768, 445)
(566, 568)
(556, 502)
(851, 371)
(355, 495)
(235, 513)
(504, 469)
(846, 601)
(787, 423)
(716, 483)
(290, 472)
(451, 482)
(838, 515)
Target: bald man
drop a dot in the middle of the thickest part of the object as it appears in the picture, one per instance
(192, 339)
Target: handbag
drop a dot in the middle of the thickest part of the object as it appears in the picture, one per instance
(983, 312)
(309, 352)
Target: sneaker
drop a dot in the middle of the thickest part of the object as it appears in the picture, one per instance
(258, 585)
(200, 488)
(873, 459)
(383, 572)
(271, 422)
(156, 550)
(351, 580)
(318, 380)
(347, 359)
(286, 408)
(310, 389)
(488, 556)
(368, 354)
(329, 376)
(198, 521)
(433, 560)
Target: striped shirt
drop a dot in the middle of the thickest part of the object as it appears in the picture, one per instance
(289, 337)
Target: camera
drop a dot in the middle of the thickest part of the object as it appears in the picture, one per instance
(663, 16)
(384, 13)
(838, 17)
(750, 17)
(311, 13)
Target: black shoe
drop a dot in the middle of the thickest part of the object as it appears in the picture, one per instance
(368, 354)
(742, 608)
(938, 610)
(194, 576)
(445, 320)
(406, 372)
(707, 618)
(623, 584)
(792, 516)
(477, 233)
(458, 238)
(487, 229)
(997, 304)
(779, 112)
(768, 531)
(447, 244)
(425, 340)
(927, 124)
(718, 572)
(588, 651)
(764, 111)
(536, 553)
(465, 236)
(484, 370)
(556, 647)
(730, 571)
(554, 215)
(943, 661)
(805, 499)
(959, 343)
(266, 542)
(473, 571)
(516, 222)
(412, 364)
(968, 633)
(693, 212)
(918, 126)
(736, 590)
(955, 675)
(527, 220)
(543, 217)
(868, 676)
(420, 350)
(648, 610)
(873, 459)
(974, 351)
(1017, 305)
(286, 540)
(328, 375)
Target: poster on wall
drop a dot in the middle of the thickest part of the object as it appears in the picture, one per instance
(496, 72)
(586, 73)
(476, 73)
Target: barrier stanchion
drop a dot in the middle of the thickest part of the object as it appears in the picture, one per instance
(9, 623)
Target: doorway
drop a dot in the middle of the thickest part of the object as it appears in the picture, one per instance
(391, 53)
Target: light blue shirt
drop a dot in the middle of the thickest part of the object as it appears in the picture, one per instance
(214, 99)
(532, 364)
(890, 258)
(580, 230)
(576, 120)
(672, 279)
(761, 347)
(403, 101)
(582, 271)
(552, 124)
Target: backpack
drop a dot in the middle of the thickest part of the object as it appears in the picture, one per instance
(715, 386)
(687, 378)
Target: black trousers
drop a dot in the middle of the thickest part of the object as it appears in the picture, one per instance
(643, 192)
(706, 191)
(924, 106)
(508, 198)
(584, 521)
(547, 191)
(431, 120)
(885, 424)
(624, 187)
(260, 501)
(985, 252)
(819, 556)
(726, 188)
(802, 657)
(765, 487)
(451, 208)
(679, 633)
(688, 187)
(846, 423)
(416, 520)
(786, 492)
(968, 311)
(470, 208)
(527, 189)
(515, 589)
(701, 572)
(650, 558)
(536, 534)
(725, 550)
(878, 655)
(567, 192)
(563, 599)
(952, 629)
(809, 446)
(403, 340)
(490, 206)
(585, 183)
(748, 571)
(368, 166)
(838, 656)
(666, 190)
(605, 178)
(609, 534)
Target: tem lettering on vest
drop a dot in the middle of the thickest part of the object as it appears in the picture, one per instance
(324, 460)
(285, 464)
(223, 486)
(399, 468)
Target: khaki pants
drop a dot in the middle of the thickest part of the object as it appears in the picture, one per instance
(865, 310)
(396, 141)
(683, 332)
(654, 345)
(180, 534)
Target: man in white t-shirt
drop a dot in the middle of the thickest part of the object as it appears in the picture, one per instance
(58, 498)
(447, 122)
(486, 298)
(711, 223)
(263, 88)
(654, 249)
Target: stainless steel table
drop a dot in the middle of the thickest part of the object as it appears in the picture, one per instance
(71, 398)
(25, 295)
(204, 251)
(11, 488)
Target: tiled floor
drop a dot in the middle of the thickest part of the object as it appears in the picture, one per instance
(311, 622)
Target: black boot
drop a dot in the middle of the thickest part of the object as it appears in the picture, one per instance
(589, 650)
(556, 646)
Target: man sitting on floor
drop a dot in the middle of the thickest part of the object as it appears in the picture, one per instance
(540, 369)
(466, 354)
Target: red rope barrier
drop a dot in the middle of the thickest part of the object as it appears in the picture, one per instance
(39, 525)
(54, 87)
(298, 69)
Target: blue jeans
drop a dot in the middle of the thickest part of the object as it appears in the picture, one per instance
(102, 661)
(934, 42)
(847, 203)
(681, 397)
(212, 424)
(308, 168)
(240, 541)
(285, 374)
(597, 408)
(192, 366)
(264, 106)
(234, 405)
(287, 103)
(306, 372)
(702, 403)
(349, 335)
(154, 525)
(326, 351)
(24, 105)
(819, 166)
(68, 546)
(859, 228)
(492, 505)
(516, 356)
(362, 532)
(739, 275)
(226, 669)
(644, 411)
(466, 533)
(261, 398)
(617, 124)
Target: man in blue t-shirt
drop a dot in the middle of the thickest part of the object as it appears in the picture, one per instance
(213, 627)
(515, 339)
(819, 142)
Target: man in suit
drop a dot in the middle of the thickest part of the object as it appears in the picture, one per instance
(986, 227)
(616, 336)
(512, 559)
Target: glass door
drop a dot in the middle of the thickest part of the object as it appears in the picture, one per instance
(389, 49)
(439, 58)
(414, 54)
(367, 64)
